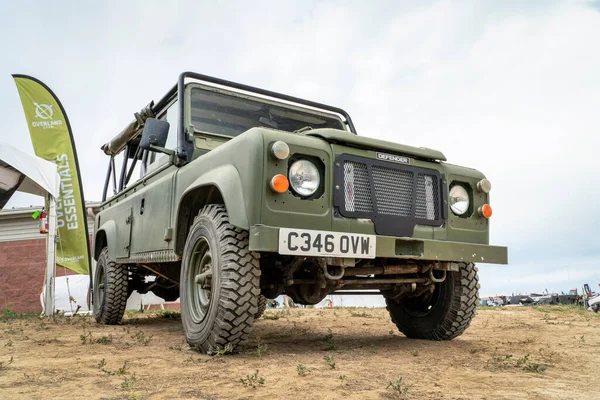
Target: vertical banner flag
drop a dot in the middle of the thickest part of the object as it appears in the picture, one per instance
(53, 141)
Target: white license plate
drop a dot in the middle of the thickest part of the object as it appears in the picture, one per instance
(326, 244)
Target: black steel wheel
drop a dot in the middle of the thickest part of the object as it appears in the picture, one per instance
(219, 283)
(442, 315)
(110, 290)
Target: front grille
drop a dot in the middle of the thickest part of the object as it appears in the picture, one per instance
(389, 192)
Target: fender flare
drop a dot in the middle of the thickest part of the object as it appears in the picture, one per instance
(108, 231)
(228, 182)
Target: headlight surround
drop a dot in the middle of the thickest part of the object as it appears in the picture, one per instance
(304, 177)
(459, 200)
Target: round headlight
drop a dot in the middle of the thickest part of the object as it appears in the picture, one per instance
(304, 177)
(459, 200)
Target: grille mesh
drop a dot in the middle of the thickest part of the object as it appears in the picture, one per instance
(393, 191)
(357, 190)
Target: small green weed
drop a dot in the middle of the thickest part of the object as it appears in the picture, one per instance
(330, 360)
(101, 364)
(129, 387)
(141, 338)
(414, 353)
(120, 372)
(329, 345)
(261, 349)
(398, 388)
(301, 369)
(221, 351)
(252, 380)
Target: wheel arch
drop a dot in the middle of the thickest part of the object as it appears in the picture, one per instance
(221, 185)
(106, 236)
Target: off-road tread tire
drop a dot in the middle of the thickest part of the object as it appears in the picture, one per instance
(115, 291)
(239, 291)
(262, 306)
(457, 315)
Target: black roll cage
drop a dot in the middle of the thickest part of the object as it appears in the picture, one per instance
(185, 148)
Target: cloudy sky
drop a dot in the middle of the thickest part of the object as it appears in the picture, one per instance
(511, 88)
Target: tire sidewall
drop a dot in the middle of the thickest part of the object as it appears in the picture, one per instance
(98, 306)
(200, 332)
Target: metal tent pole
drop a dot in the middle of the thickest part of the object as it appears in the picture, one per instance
(50, 258)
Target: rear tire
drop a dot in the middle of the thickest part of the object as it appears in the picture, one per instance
(262, 306)
(218, 313)
(110, 290)
(442, 315)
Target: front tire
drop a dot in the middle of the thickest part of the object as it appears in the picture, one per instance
(442, 315)
(219, 310)
(110, 290)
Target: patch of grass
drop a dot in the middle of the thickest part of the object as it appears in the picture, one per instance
(499, 362)
(414, 353)
(129, 387)
(252, 380)
(9, 315)
(104, 339)
(89, 339)
(360, 314)
(330, 360)
(328, 338)
(301, 369)
(141, 338)
(169, 314)
(342, 379)
(399, 388)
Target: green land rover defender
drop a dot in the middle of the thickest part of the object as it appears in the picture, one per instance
(228, 195)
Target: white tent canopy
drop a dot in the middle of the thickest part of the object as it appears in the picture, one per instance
(23, 172)
(37, 176)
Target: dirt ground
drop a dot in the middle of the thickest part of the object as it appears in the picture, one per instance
(512, 352)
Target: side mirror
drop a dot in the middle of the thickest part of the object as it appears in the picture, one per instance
(154, 134)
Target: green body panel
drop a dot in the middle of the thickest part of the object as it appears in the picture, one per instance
(266, 239)
(237, 172)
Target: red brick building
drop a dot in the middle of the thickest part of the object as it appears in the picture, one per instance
(23, 259)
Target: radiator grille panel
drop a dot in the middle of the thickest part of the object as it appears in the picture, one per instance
(393, 191)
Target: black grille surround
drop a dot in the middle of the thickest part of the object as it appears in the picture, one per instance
(396, 197)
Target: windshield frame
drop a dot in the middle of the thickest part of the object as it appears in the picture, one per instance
(268, 100)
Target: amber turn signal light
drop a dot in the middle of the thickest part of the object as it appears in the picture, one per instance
(485, 211)
(280, 183)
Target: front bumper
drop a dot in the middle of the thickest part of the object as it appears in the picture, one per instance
(266, 239)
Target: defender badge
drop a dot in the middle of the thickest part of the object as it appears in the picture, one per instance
(393, 158)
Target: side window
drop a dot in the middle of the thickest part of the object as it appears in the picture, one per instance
(172, 117)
